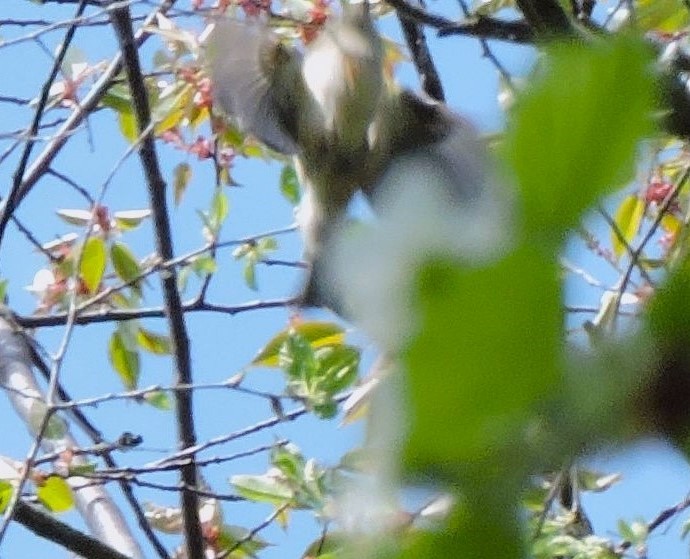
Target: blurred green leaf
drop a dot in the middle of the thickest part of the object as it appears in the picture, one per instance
(124, 361)
(230, 536)
(56, 427)
(55, 494)
(628, 219)
(571, 139)
(455, 374)
(317, 333)
(129, 219)
(6, 491)
(81, 469)
(665, 16)
(289, 460)
(158, 399)
(124, 262)
(182, 174)
(289, 185)
(250, 274)
(263, 488)
(93, 261)
(128, 125)
(157, 344)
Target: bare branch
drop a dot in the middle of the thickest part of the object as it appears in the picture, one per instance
(194, 541)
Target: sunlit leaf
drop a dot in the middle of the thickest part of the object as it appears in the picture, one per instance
(316, 333)
(250, 275)
(129, 219)
(124, 262)
(55, 494)
(124, 361)
(80, 218)
(241, 541)
(628, 219)
(182, 174)
(328, 546)
(263, 488)
(92, 265)
(128, 125)
(219, 209)
(6, 491)
(665, 16)
(158, 399)
(289, 185)
(154, 343)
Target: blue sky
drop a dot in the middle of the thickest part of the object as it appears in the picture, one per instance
(655, 477)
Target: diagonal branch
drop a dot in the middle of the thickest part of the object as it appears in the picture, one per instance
(173, 305)
(83, 109)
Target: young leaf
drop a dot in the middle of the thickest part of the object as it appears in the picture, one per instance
(182, 174)
(129, 219)
(317, 333)
(628, 219)
(158, 399)
(289, 185)
(92, 263)
(263, 488)
(153, 343)
(55, 494)
(124, 262)
(6, 491)
(124, 361)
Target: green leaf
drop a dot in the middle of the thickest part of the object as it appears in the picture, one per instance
(219, 210)
(124, 361)
(289, 460)
(182, 174)
(338, 367)
(56, 427)
(92, 265)
(250, 274)
(456, 375)
(571, 140)
(128, 125)
(230, 536)
(3, 290)
(297, 359)
(157, 344)
(317, 333)
(330, 546)
(263, 488)
(204, 265)
(129, 219)
(124, 262)
(6, 491)
(289, 185)
(666, 16)
(158, 399)
(118, 98)
(55, 494)
(81, 469)
(628, 219)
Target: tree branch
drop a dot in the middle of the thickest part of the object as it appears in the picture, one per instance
(47, 526)
(194, 541)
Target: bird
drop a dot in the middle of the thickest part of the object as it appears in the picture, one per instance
(349, 129)
(316, 105)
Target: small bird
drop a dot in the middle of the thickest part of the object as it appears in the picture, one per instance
(317, 105)
(348, 128)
